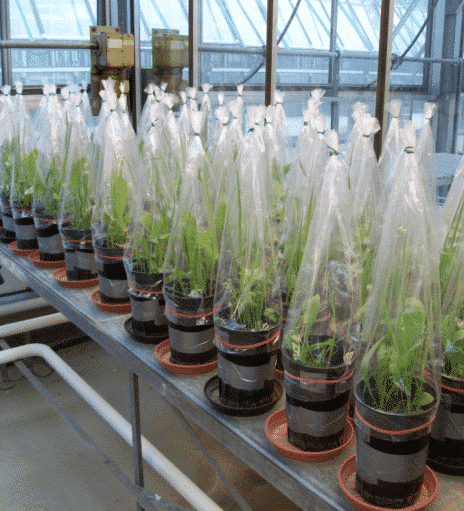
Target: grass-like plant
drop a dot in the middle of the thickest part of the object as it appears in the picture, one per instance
(403, 330)
(47, 188)
(24, 172)
(7, 154)
(78, 200)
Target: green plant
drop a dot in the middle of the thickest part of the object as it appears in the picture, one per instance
(25, 167)
(253, 274)
(78, 200)
(117, 216)
(151, 240)
(47, 188)
(7, 152)
(396, 382)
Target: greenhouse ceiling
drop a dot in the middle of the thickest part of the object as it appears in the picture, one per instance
(234, 22)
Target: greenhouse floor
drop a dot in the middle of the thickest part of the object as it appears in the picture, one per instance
(46, 467)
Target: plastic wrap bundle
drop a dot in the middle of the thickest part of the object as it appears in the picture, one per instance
(191, 259)
(281, 128)
(8, 143)
(77, 199)
(351, 152)
(126, 124)
(223, 155)
(148, 236)
(395, 399)
(85, 107)
(276, 155)
(205, 107)
(320, 338)
(426, 154)
(365, 187)
(53, 147)
(23, 175)
(391, 148)
(248, 303)
(118, 192)
(236, 125)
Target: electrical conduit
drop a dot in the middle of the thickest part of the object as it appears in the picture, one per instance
(179, 481)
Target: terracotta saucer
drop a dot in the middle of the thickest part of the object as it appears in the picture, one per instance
(117, 308)
(276, 432)
(19, 252)
(35, 258)
(347, 480)
(62, 279)
(163, 354)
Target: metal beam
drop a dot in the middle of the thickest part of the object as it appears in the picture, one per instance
(222, 4)
(334, 66)
(90, 12)
(213, 18)
(160, 14)
(55, 45)
(265, 16)
(37, 17)
(301, 24)
(194, 40)
(352, 17)
(271, 52)
(250, 21)
(383, 70)
(5, 35)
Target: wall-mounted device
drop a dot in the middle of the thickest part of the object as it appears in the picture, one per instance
(115, 54)
(170, 56)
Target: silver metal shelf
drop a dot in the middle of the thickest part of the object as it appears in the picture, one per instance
(311, 486)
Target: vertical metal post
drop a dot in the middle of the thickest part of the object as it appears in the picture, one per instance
(136, 94)
(5, 36)
(383, 70)
(271, 52)
(136, 431)
(194, 41)
(334, 66)
(449, 81)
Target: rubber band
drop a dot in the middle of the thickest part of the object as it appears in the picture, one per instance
(458, 391)
(195, 316)
(394, 433)
(22, 210)
(142, 291)
(315, 380)
(46, 219)
(323, 318)
(248, 346)
(76, 241)
(119, 258)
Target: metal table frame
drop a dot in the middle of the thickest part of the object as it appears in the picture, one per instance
(311, 486)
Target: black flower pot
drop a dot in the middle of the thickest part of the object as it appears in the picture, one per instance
(191, 327)
(446, 450)
(79, 255)
(48, 238)
(317, 401)
(148, 320)
(245, 370)
(112, 277)
(26, 234)
(8, 233)
(391, 450)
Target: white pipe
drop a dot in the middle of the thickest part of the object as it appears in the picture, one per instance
(23, 305)
(32, 324)
(179, 481)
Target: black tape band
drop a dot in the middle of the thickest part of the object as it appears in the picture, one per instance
(314, 443)
(178, 357)
(321, 406)
(183, 328)
(392, 495)
(48, 231)
(113, 271)
(399, 448)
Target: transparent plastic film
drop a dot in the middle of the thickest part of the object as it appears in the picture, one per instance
(391, 147)
(192, 253)
(119, 187)
(77, 196)
(324, 316)
(25, 159)
(426, 153)
(53, 148)
(126, 124)
(7, 145)
(401, 325)
(248, 295)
